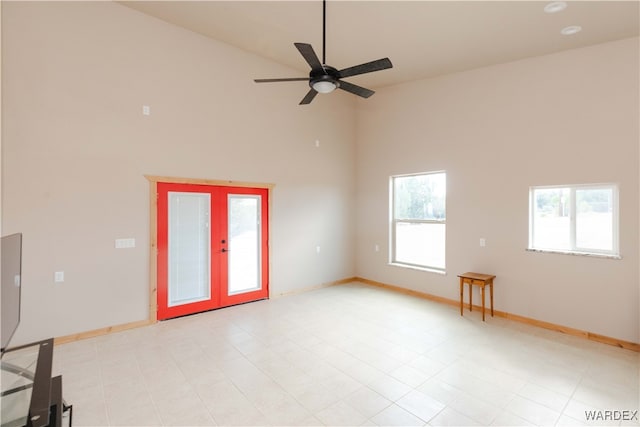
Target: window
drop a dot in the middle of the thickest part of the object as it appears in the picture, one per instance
(579, 219)
(418, 220)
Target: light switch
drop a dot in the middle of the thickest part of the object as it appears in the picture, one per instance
(125, 243)
(58, 276)
(483, 242)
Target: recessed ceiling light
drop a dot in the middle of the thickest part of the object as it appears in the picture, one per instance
(567, 31)
(555, 6)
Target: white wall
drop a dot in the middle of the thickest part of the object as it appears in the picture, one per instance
(76, 147)
(566, 118)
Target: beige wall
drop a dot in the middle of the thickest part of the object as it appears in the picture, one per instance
(76, 147)
(566, 118)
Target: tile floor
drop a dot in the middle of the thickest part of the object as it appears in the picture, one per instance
(344, 355)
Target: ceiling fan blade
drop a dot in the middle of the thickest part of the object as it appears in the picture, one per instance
(292, 79)
(309, 97)
(380, 64)
(309, 55)
(355, 89)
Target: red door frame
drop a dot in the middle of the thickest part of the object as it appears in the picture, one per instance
(219, 256)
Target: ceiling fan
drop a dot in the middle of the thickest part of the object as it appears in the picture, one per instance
(324, 78)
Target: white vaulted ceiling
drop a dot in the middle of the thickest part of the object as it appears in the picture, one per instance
(422, 38)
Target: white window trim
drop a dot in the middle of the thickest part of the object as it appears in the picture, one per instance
(575, 250)
(576, 253)
(392, 227)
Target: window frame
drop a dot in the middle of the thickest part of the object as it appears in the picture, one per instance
(574, 248)
(393, 221)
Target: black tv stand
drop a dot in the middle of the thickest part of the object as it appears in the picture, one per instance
(32, 397)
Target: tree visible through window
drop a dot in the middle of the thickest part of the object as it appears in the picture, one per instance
(581, 219)
(418, 220)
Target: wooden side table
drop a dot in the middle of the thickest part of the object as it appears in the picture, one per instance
(476, 279)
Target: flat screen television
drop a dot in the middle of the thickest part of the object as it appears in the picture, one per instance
(11, 255)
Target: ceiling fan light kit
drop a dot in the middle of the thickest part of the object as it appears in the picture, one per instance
(324, 78)
(324, 86)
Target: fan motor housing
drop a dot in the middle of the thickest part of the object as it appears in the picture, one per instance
(327, 74)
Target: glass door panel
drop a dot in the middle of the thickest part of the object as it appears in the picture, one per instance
(189, 247)
(244, 217)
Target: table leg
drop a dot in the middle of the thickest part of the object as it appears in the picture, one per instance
(491, 295)
(471, 296)
(483, 286)
(461, 294)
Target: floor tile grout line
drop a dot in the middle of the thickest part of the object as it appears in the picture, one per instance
(102, 387)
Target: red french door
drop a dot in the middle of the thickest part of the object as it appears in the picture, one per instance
(212, 247)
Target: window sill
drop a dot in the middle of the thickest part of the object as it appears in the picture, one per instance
(415, 267)
(587, 254)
